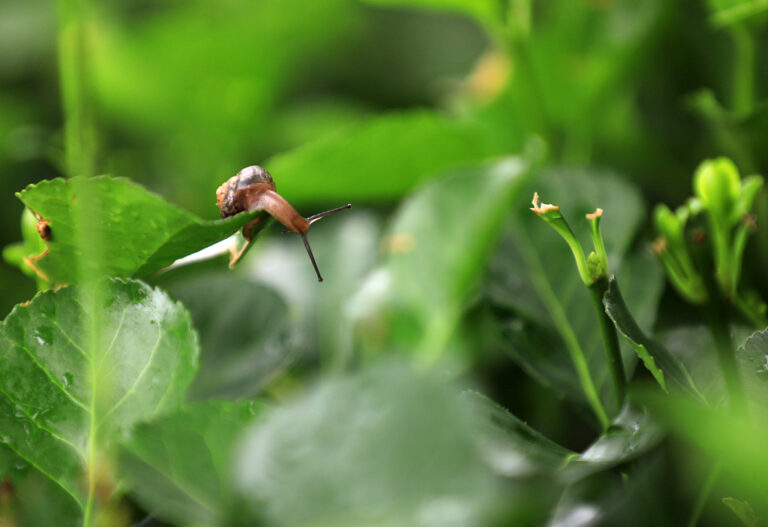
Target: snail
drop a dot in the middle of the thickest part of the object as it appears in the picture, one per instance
(254, 189)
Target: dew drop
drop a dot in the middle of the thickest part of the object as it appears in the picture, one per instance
(44, 335)
(67, 379)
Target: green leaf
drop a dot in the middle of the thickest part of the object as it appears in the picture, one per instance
(743, 511)
(36, 501)
(665, 367)
(752, 360)
(633, 500)
(511, 447)
(437, 245)
(110, 226)
(486, 11)
(514, 449)
(542, 302)
(383, 447)
(31, 246)
(179, 466)
(729, 12)
(631, 434)
(352, 165)
(247, 335)
(80, 366)
(693, 345)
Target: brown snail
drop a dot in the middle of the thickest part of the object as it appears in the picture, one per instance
(254, 189)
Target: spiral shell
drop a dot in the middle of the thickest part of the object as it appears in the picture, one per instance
(231, 196)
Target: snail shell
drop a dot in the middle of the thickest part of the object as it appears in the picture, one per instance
(232, 196)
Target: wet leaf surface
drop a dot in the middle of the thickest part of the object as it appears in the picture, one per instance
(81, 366)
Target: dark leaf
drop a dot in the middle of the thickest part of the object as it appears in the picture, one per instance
(665, 367)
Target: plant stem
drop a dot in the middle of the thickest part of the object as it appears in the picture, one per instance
(704, 493)
(79, 135)
(726, 356)
(610, 341)
(744, 70)
(563, 326)
(80, 154)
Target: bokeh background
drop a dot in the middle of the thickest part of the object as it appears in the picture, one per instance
(186, 94)
(364, 102)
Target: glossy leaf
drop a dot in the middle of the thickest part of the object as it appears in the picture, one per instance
(180, 466)
(514, 449)
(629, 501)
(632, 433)
(381, 447)
(81, 366)
(664, 366)
(351, 164)
(126, 230)
(511, 447)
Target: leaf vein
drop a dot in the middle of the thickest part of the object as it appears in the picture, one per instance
(53, 434)
(117, 332)
(53, 380)
(71, 340)
(46, 474)
(143, 371)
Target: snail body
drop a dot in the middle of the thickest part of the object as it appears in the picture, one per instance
(254, 189)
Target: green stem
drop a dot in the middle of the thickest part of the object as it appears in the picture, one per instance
(744, 70)
(706, 490)
(80, 152)
(726, 356)
(610, 341)
(79, 136)
(544, 288)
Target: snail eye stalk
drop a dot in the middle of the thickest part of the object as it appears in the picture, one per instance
(312, 219)
(253, 189)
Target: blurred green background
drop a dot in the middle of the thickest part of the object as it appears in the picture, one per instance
(186, 94)
(614, 102)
